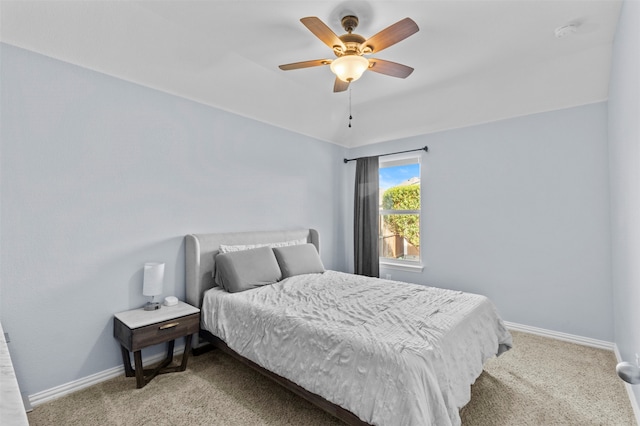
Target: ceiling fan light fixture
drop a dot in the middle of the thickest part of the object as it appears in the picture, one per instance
(349, 68)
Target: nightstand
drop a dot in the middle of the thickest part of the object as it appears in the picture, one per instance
(138, 329)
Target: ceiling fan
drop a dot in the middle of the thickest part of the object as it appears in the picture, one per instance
(350, 48)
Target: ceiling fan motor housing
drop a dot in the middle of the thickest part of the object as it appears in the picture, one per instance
(352, 42)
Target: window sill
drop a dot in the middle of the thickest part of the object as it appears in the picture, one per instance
(418, 267)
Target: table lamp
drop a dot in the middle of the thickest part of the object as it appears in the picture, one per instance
(152, 285)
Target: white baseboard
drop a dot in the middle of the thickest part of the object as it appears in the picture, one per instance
(630, 393)
(76, 385)
(572, 338)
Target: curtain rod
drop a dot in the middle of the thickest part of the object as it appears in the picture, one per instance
(424, 148)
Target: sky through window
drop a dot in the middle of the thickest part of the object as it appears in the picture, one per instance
(392, 176)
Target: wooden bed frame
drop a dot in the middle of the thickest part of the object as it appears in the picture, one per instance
(200, 251)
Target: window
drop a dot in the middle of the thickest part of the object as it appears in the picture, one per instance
(399, 218)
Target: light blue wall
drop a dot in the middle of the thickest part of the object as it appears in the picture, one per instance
(99, 175)
(518, 210)
(624, 141)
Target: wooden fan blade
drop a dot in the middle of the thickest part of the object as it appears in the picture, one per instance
(392, 35)
(305, 64)
(323, 32)
(340, 86)
(389, 68)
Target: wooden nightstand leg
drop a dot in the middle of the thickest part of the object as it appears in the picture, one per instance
(187, 350)
(169, 357)
(126, 360)
(140, 381)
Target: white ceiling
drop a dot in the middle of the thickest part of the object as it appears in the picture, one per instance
(475, 61)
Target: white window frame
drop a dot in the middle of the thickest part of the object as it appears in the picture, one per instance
(400, 160)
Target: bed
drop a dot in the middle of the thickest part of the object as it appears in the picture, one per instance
(368, 351)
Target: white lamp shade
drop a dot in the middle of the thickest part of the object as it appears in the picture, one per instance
(349, 68)
(153, 279)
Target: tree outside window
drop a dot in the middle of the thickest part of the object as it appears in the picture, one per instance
(400, 211)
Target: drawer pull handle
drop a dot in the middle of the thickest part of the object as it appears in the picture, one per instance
(171, 325)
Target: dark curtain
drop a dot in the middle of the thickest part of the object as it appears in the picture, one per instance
(365, 221)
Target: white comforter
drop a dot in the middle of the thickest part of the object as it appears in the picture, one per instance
(392, 353)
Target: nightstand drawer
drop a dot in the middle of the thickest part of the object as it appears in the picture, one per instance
(152, 334)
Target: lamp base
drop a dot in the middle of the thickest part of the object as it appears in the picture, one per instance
(151, 306)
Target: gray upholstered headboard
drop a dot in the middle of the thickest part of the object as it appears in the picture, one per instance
(200, 251)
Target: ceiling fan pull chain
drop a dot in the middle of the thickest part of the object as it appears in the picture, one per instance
(350, 117)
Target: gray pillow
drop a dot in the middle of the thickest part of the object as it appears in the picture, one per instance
(298, 260)
(247, 269)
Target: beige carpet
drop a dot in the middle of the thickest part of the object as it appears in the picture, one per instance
(540, 382)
